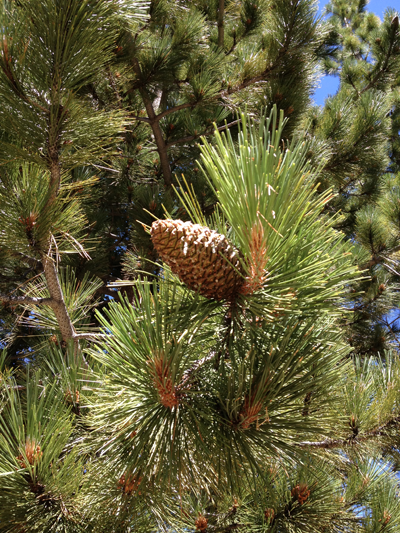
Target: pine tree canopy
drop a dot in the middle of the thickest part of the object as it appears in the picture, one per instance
(199, 267)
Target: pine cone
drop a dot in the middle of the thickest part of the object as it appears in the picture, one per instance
(201, 523)
(202, 258)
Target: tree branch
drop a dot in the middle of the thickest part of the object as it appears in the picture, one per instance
(90, 336)
(142, 119)
(153, 119)
(174, 109)
(53, 157)
(32, 261)
(14, 83)
(21, 300)
(384, 68)
(328, 444)
(190, 372)
(60, 309)
(211, 132)
(240, 86)
(155, 126)
(377, 259)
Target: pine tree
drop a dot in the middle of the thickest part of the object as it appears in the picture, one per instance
(197, 266)
(363, 165)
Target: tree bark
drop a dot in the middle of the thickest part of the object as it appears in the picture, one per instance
(60, 309)
(157, 132)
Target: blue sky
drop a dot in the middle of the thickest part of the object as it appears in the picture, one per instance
(329, 84)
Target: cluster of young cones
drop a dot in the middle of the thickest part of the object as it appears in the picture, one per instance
(301, 493)
(129, 483)
(33, 454)
(162, 380)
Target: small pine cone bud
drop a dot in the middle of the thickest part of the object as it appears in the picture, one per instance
(386, 517)
(162, 380)
(129, 483)
(201, 523)
(54, 339)
(249, 412)
(301, 493)
(202, 258)
(33, 454)
(353, 421)
(269, 515)
(235, 506)
(69, 396)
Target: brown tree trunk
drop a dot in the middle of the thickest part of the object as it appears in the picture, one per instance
(60, 310)
(157, 132)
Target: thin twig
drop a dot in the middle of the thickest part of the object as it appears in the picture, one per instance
(141, 119)
(21, 300)
(174, 109)
(327, 444)
(90, 336)
(197, 365)
(211, 132)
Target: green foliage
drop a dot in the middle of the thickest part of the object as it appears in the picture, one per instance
(41, 74)
(36, 473)
(129, 402)
(27, 219)
(281, 216)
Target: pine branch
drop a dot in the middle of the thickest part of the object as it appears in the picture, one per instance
(153, 119)
(155, 126)
(190, 373)
(174, 109)
(21, 300)
(392, 331)
(378, 259)
(142, 119)
(60, 309)
(64, 322)
(220, 94)
(384, 68)
(235, 42)
(211, 132)
(14, 83)
(90, 336)
(354, 440)
(32, 261)
(10, 279)
(363, 305)
(55, 174)
(273, 66)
